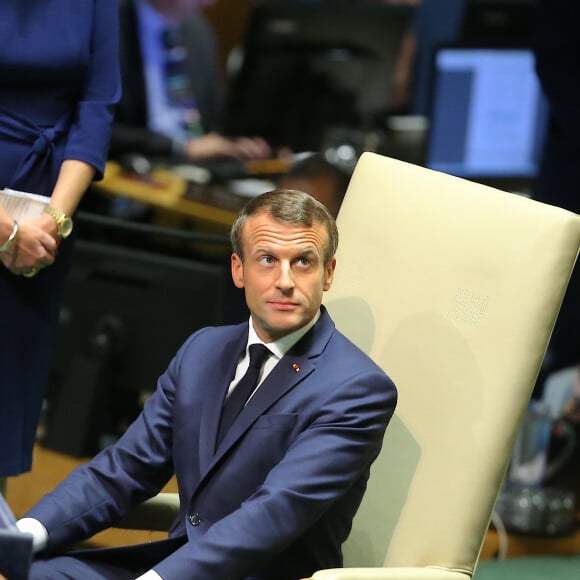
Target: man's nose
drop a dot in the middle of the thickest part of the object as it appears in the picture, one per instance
(285, 278)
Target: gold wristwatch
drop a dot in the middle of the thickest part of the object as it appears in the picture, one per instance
(64, 223)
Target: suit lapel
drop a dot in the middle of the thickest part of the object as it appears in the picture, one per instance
(218, 381)
(282, 379)
(293, 368)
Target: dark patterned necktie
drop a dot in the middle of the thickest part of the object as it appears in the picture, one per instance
(242, 391)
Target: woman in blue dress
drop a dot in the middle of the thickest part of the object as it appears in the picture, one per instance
(59, 82)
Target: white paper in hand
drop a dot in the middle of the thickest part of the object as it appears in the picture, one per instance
(22, 206)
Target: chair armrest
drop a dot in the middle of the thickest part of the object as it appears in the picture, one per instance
(155, 514)
(390, 574)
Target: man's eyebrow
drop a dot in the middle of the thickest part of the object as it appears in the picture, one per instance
(262, 250)
(309, 252)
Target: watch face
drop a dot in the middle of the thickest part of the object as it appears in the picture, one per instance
(66, 227)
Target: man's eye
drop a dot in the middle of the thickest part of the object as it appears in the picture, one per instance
(304, 261)
(266, 260)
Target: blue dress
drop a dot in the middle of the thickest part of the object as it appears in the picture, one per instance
(59, 81)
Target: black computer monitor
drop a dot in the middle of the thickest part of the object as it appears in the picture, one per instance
(498, 22)
(126, 312)
(490, 23)
(488, 116)
(311, 66)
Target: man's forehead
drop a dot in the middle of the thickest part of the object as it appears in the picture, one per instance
(262, 229)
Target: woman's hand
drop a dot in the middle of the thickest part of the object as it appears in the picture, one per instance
(33, 249)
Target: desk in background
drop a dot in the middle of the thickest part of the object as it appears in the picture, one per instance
(164, 190)
(211, 196)
(188, 198)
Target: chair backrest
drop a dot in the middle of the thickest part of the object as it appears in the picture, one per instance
(453, 288)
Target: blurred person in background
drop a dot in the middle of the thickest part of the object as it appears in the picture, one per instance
(173, 94)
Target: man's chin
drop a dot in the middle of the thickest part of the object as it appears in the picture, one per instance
(281, 323)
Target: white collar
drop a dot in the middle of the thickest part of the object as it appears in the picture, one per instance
(281, 346)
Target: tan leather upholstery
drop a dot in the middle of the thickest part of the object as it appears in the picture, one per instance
(453, 288)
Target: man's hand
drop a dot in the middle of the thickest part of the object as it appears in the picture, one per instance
(213, 145)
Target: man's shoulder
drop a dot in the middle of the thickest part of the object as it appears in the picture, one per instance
(216, 334)
(353, 351)
(211, 344)
(349, 372)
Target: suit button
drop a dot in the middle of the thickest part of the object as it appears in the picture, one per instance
(194, 519)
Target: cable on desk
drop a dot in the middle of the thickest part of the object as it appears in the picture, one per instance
(502, 536)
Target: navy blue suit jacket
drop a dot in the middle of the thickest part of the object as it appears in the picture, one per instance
(276, 498)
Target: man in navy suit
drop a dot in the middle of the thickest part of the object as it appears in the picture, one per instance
(275, 498)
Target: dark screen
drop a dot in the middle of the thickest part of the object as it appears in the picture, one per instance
(125, 314)
(309, 67)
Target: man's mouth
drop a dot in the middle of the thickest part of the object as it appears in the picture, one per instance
(283, 305)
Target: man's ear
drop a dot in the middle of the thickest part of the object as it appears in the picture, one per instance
(329, 275)
(237, 271)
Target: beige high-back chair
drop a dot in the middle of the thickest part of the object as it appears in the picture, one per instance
(453, 289)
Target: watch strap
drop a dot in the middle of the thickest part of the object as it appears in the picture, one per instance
(58, 216)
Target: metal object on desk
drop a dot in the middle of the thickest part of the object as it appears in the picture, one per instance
(535, 510)
(525, 504)
(529, 457)
(231, 194)
(218, 195)
(193, 173)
